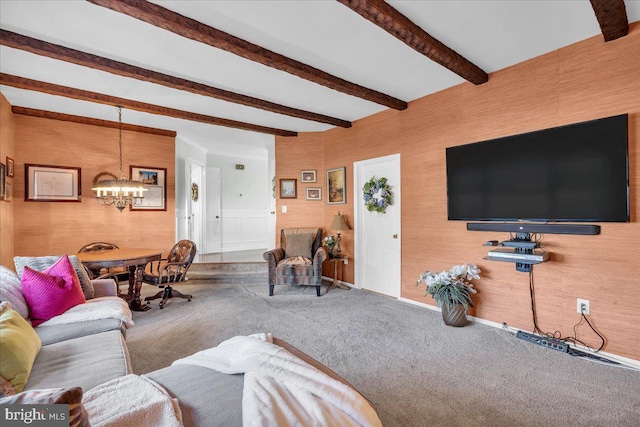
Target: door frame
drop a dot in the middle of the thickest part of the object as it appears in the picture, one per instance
(359, 210)
(202, 197)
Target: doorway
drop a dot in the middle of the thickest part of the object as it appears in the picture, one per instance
(377, 235)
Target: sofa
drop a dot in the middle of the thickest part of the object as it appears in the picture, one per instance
(80, 354)
(93, 353)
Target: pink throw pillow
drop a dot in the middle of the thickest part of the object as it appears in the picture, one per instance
(51, 292)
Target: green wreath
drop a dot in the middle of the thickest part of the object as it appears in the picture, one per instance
(377, 195)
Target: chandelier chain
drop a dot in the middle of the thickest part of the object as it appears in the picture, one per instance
(119, 108)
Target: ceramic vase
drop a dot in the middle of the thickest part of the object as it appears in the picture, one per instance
(455, 315)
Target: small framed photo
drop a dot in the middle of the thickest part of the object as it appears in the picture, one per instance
(288, 188)
(155, 180)
(8, 191)
(309, 176)
(45, 183)
(3, 180)
(9, 167)
(314, 193)
(336, 186)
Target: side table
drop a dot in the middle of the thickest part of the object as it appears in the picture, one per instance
(336, 283)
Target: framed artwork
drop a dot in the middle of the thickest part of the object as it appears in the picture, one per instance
(336, 186)
(155, 180)
(8, 191)
(9, 167)
(45, 183)
(3, 180)
(309, 176)
(288, 188)
(314, 193)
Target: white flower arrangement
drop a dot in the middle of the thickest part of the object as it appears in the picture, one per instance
(451, 287)
(330, 241)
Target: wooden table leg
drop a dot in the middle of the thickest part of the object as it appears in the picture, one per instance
(134, 291)
(336, 283)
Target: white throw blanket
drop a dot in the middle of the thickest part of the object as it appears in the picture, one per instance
(95, 309)
(129, 401)
(282, 390)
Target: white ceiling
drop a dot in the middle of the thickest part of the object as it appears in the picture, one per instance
(321, 33)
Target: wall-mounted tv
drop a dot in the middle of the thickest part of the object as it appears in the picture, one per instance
(574, 173)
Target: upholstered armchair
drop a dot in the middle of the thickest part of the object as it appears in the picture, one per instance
(298, 260)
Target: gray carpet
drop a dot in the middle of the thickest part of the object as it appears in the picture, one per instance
(415, 370)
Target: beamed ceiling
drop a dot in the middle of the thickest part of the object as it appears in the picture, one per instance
(231, 74)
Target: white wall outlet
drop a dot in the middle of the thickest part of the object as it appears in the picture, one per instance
(583, 306)
(346, 261)
(284, 209)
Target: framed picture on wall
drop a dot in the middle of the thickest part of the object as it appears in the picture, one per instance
(336, 186)
(8, 191)
(309, 176)
(3, 180)
(155, 180)
(9, 167)
(288, 188)
(314, 193)
(46, 183)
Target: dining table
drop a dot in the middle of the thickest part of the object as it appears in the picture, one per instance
(132, 259)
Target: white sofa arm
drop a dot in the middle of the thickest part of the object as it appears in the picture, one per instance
(105, 288)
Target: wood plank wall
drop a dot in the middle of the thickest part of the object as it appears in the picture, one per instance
(6, 207)
(584, 81)
(45, 228)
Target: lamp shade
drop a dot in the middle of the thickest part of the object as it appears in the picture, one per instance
(339, 223)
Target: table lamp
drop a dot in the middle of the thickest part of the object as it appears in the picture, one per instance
(339, 224)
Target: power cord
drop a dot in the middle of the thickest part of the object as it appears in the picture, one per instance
(557, 334)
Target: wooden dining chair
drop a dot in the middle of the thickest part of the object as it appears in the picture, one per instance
(120, 273)
(170, 270)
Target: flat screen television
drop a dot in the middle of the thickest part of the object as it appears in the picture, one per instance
(573, 173)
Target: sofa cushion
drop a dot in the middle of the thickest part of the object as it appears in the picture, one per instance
(20, 346)
(81, 362)
(51, 292)
(56, 333)
(295, 271)
(220, 405)
(298, 244)
(57, 396)
(42, 262)
(11, 291)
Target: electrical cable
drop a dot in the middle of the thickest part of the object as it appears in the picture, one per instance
(557, 334)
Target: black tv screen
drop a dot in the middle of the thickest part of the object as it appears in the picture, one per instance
(577, 173)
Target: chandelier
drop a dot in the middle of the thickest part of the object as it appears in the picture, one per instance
(120, 191)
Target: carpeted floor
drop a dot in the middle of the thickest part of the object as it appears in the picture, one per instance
(415, 370)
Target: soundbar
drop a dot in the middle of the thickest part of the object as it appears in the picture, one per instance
(510, 254)
(522, 227)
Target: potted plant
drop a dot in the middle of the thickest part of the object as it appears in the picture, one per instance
(452, 291)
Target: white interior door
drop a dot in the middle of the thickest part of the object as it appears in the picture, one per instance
(377, 236)
(214, 222)
(195, 218)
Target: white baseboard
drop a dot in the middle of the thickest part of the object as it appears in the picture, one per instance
(626, 361)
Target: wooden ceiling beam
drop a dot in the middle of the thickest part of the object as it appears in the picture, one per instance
(389, 19)
(89, 121)
(612, 17)
(83, 95)
(50, 50)
(189, 28)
